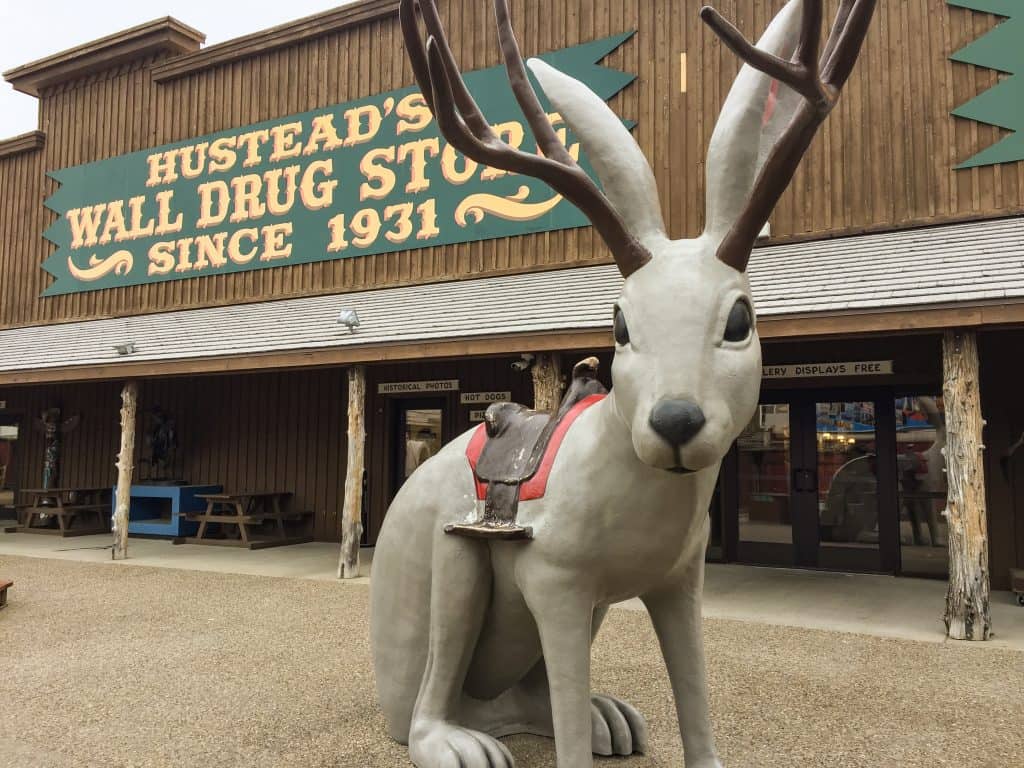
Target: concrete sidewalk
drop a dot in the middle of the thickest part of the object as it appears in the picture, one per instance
(883, 606)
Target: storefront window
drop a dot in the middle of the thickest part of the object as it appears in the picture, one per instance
(847, 475)
(8, 439)
(764, 473)
(920, 439)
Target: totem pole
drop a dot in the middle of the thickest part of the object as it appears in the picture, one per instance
(162, 442)
(49, 424)
(500, 556)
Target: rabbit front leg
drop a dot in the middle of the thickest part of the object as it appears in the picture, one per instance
(676, 614)
(459, 594)
(564, 612)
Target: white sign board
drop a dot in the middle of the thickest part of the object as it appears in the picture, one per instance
(824, 370)
(3, 404)
(413, 387)
(475, 398)
(477, 415)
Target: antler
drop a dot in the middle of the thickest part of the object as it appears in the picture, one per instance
(817, 80)
(465, 127)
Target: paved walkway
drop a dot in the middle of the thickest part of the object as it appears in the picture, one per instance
(882, 606)
(132, 667)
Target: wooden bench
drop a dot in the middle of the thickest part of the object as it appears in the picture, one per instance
(66, 517)
(3, 591)
(78, 511)
(238, 514)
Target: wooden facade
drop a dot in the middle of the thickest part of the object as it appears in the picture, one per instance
(286, 431)
(885, 159)
(276, 431)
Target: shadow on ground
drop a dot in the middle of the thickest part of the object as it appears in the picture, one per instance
(148, 667)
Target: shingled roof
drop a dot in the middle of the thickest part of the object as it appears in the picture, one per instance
(971, 264)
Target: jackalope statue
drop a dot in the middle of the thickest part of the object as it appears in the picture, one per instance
(476, 638)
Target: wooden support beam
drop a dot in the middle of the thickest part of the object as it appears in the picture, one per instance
(129, 403)
(547, 381)
(352, 518)
(967, 600)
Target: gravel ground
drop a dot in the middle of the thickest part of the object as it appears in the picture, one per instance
(111, 666)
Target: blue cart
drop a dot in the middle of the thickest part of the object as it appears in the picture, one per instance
(160, 510)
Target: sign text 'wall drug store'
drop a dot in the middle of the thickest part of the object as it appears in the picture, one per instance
(366, 177)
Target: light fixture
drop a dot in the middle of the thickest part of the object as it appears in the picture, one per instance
(349, 318)
(125, 348)
(523, 363)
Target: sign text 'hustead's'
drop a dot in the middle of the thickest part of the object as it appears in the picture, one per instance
(366, 177)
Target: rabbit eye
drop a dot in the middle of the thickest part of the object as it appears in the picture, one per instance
(737, 327)
(620, 329)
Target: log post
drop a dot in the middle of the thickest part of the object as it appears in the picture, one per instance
(967, 600)
(547, 381)
(129, 401)
(352, 518)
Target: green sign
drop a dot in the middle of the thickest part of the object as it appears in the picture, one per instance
(366, 177)
(1002, 105)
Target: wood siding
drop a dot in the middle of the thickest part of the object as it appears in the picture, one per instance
(278, 431)
(1003, 409)
(883, 160)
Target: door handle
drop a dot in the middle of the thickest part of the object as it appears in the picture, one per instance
(805, 480)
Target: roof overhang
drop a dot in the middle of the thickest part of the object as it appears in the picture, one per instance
(912, 281)
(25, 142)
(166, 35)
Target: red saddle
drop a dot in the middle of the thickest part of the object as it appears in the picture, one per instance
(534, 486)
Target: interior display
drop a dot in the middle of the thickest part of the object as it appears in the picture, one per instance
(422, 437)
(476, 638)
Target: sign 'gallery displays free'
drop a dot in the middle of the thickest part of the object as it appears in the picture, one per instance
(365, 177)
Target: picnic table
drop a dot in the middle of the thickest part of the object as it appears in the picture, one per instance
(252, 519)
(77, 511)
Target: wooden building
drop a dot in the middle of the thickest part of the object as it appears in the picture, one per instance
(199, 219)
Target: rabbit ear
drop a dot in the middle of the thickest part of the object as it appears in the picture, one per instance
(756, 112)
(624, 172)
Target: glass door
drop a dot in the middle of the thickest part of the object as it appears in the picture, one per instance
(848, 494)
(8, 444)
(765, 495)
(921, 481)
(816, 484)
(419, 434)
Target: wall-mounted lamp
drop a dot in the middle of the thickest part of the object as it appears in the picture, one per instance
(523, 363)
(125, 348)
(349, 318)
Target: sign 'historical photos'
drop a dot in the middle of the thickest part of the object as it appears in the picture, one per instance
(414, 387)
(366, 177)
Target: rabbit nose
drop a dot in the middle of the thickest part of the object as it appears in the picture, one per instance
(678, 421)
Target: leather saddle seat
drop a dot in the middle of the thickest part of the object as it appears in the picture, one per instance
(511, 446)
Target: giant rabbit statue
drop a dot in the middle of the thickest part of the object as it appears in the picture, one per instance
(477, 638)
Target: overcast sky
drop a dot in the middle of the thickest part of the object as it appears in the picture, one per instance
(34, 29)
